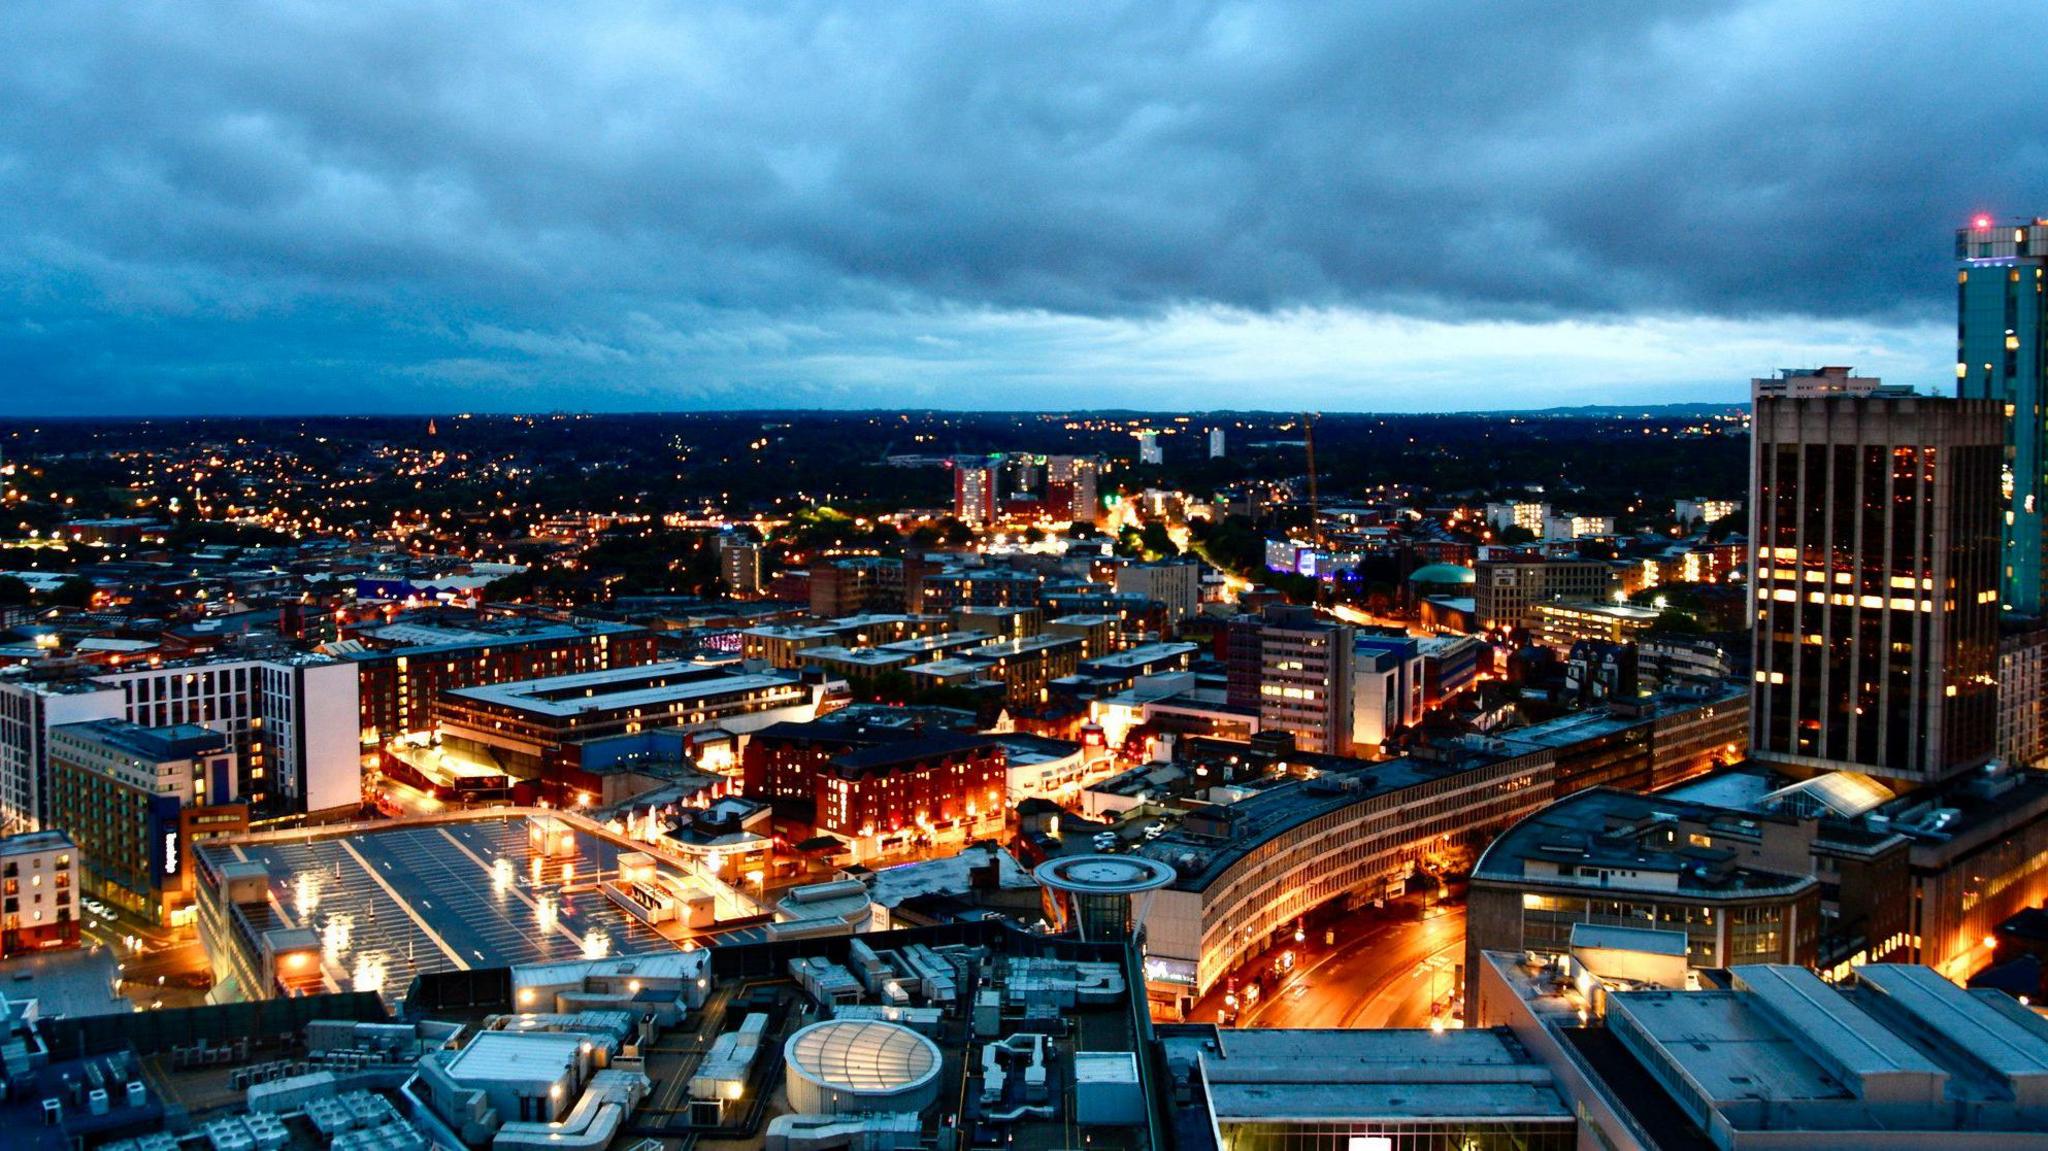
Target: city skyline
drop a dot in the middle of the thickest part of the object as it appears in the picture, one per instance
(682, 209)
(796, 576)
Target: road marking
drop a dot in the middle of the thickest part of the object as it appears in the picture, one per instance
(433, 936)
(516, 894)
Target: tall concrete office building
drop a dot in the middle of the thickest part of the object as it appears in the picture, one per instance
(2001, 321)
(1305, 678)
(1874, 523)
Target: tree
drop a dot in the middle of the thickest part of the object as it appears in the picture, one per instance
(1155, 543)
(75, 591)
(1231, 544)
(1671, 621)
(14, 591)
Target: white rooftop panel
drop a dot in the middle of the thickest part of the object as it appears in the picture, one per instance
(1960, 1017)
(1834, 1029)
(518, 1057)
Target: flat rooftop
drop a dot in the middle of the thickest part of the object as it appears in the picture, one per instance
(515, 1057)
(861, 656)
(562, 696)
(1026, 749)
(944, 641)
(1584, 725)
(1281, 805)
(423, 897)
(1023, 645)
(1720, 1041)
(33, 841)
(411, 639)
(1987, 1026)
(1613, 937)
(1142, 655)
(1618, 830)
(1902, 1050)
(891, 886)
(881, 757)
(72, 982)
(793, 631)
(960, 665)
(155, 744)
(1351, 1076)
(1624, 612)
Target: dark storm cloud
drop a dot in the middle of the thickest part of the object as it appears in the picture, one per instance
(300, 205)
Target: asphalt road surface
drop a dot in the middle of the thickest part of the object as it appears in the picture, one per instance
(1387, 976)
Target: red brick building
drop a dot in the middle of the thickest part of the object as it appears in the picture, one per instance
(882, 790)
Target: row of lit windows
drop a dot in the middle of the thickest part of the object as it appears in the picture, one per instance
(1871, 602)
(1814, 575)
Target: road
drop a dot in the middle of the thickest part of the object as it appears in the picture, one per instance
(1351, 613)
(1387, 975)
(1386, 978)
(159, 966)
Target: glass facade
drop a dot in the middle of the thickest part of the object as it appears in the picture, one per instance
(1435, 1134)
(1774, 932)
(2000, 310)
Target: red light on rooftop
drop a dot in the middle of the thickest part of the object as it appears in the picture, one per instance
(1981, 222)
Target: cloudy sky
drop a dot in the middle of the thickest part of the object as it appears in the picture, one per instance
(296, 207)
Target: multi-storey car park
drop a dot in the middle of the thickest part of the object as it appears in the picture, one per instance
(539, 728)
(368, 910)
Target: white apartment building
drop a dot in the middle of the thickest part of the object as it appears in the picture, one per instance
(294, 722)
(28, 710)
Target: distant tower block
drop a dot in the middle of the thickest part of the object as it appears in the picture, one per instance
(1101, 897)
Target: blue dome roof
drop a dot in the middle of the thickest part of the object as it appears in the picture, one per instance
(1442, 573)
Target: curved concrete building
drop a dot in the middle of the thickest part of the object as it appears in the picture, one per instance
(1101, 897)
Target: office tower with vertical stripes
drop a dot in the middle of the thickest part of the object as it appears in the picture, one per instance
(1875, 533)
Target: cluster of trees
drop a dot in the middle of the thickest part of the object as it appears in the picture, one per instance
(637, 563)
(1152, 542)
(75, 591)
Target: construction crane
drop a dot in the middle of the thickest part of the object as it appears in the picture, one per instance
(1308, 442)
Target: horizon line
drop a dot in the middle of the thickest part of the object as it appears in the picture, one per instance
(11, 420)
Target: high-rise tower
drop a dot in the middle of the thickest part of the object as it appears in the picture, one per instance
(1070, 488)
(975, 490)
(2001, 320)
(1874, 527)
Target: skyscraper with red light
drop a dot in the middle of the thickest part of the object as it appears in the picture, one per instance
(2001, 322)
